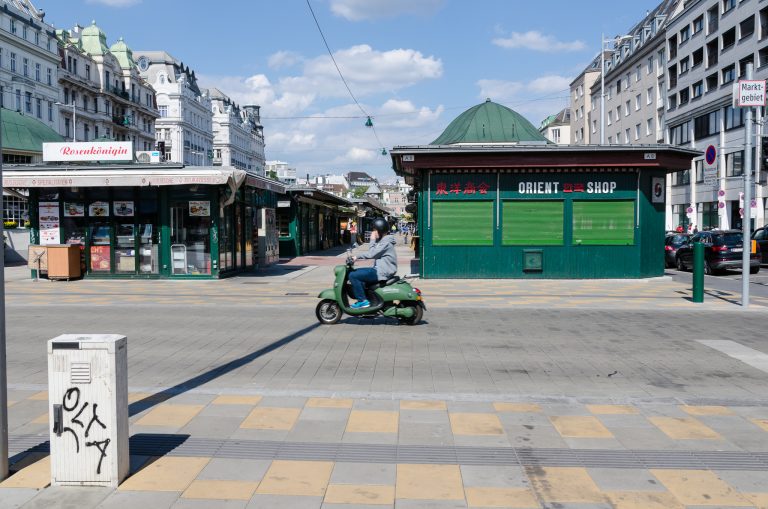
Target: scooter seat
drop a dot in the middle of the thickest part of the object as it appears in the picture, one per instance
(380, 284)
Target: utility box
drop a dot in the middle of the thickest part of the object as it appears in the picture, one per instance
(63, 261)
(88, 397)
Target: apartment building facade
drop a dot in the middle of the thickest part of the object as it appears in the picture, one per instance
(103, 96)
(238, 136)
(184, 130)
(710, 45)
(581, 103)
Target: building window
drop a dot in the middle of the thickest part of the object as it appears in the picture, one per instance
(729, 38)
(734, 164)
(49, 77)
(18, 100)
(37, 38)
(74, 66)
(13, 26)
(698, 89)
(728, 5)
(28, 102)
(626, 136)
(729, 74)
(649, 127)
(649, 65)
(706, 125)
(683, 65)
(25, 67)
(39, 103)
(712, 82)
(685, 34)
(637, 102)
(747, 27)
(734, 117)
(556, 135)
(684, 96)
(24, 32)
(698, 24)
(50, 111)
(649, 96)
(95, 132)
(697, 57)
(637, 132)
(594, 126)
(610, 117)
(163, 111)
(626, 109)
(13, 61)
(743, 65)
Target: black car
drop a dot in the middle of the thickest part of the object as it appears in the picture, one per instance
(672, 243)
(722, 250)
(761, 237)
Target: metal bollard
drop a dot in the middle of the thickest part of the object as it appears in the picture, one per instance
(698, 272)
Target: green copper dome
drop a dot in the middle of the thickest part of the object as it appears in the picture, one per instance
(490, 123)
(24, 133)
(93, 40)
(123, 54)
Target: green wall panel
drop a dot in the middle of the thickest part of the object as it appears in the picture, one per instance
(532, 223)
(462, 223)
(604, 223)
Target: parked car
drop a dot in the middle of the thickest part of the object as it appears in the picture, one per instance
(722, 250)
(761, 236)
(672, 243)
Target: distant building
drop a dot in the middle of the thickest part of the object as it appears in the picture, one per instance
(394, 199)
(557, 128)
(281, 171)
(583, 124)
(238, 136)
(185, 127)
(360, 179)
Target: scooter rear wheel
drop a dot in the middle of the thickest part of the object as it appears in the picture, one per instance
(418, 312)
(328, 312)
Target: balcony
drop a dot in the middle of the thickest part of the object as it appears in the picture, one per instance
(120, 93)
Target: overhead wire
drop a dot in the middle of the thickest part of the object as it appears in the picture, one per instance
(333, 59)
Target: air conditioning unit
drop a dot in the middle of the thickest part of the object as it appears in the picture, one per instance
(148, 156)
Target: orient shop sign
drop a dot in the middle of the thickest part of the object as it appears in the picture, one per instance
(567, 187)
(88, 151)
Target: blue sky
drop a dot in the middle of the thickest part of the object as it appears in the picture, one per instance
(413, 65)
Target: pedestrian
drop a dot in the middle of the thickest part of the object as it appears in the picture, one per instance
(405, 234)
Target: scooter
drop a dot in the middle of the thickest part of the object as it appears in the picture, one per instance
(394, 297)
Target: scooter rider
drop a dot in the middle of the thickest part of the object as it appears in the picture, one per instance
(383, 251)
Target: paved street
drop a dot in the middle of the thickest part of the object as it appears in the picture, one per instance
(572, 394)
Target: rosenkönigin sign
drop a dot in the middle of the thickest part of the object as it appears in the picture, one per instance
(88, 151)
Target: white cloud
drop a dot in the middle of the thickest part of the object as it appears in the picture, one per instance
(358, 10)
(537, 41)
(547, 84)
(498, 90)
(283, 59)
(396, 113)
(115, 3)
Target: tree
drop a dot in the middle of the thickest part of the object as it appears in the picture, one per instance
(359, 192)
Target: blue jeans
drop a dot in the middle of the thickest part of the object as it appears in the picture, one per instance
(360, 276)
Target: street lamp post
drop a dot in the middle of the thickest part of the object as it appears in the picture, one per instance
(74, 119)
(3, 364)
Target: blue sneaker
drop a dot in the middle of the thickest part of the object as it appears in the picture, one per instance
(360, 305)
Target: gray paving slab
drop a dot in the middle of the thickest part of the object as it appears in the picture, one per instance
(68, 496)
(364, 473)
(240, 411)
(317, 431)
(430, 504)
(284, 502)
(594, 443)
(16, 497)
(139, 500)
(324, 414)
(425, 434)
(370, 438)
(624, 479)
(188, 503)
(493, 476)
(408, 417)
(745, 481)
(282, 402)
(234, 469)
(210, 426)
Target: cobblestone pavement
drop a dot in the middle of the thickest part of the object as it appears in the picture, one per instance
(542, 394)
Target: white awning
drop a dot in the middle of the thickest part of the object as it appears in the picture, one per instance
(120, 177)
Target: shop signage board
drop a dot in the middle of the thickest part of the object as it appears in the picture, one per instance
(74, 209)
(88, 151)
(657, 190)
(200, 208)
(710, 166)
(123, 208)
(98, 209)
(50, 225)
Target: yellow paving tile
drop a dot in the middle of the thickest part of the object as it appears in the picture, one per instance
(306, 478)
(170, 415)
(577, 426)
(220, 490)
(372, 421)
(41, 419)
(11, 403)
(40, 396)
(429, 482)
(759, 500)
(133, 397)
(613, 409)
(37, 476)
(360, 494)
(329, 403)
(227, 399)
(564, 484)
(423, 405)
(517, 407)
(168, 473)
(475, 424)
(271, 418)
(501, 497)
(686, 428)
(706, 410)
(700, 487)
(763, 423)
(643, 500)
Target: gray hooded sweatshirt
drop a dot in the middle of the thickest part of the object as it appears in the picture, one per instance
(384, 253)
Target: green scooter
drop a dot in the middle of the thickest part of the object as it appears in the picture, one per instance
(395, 298)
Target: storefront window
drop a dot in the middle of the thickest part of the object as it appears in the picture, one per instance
(604, 223)
(190, 237)
(532, 223)
(101, 251)
(709, 215)
(124, 210)
(148, 231)
(462, 223)
(249, 261)
(225, 239)
(239, 235)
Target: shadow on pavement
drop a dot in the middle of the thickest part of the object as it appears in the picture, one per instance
(192, 383)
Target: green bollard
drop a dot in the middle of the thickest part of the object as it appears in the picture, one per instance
(698, 272)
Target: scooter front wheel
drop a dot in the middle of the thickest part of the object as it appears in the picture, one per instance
(328, 312)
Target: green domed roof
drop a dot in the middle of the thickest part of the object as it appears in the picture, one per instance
(93, 40)
(490, 123)
(123, 54)
(25, 134)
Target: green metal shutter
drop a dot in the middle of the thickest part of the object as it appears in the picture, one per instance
(532, 223)
(607, 223)
(462, 223)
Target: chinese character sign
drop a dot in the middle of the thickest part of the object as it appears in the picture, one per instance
(463, 186)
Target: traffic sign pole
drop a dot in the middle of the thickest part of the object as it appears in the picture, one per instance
(749, 95)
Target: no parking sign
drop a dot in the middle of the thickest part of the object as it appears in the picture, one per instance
(710, 166)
